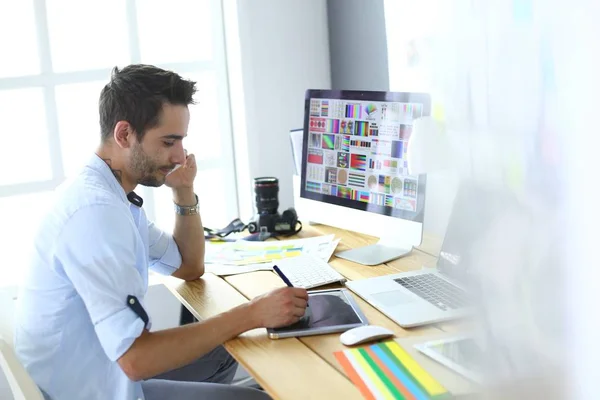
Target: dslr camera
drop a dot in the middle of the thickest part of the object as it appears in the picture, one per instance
(267, 219)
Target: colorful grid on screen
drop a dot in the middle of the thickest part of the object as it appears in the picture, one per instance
(357, 150)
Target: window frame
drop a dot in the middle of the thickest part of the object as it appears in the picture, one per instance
(48, 80)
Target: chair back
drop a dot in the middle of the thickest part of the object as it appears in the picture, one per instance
(19, 381)
(8, 296)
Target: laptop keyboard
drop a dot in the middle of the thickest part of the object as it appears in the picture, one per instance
(435, 290)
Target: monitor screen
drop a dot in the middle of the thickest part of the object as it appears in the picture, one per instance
(355, 151)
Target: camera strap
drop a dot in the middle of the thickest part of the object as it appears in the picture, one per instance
(234, 226)
(238, 226)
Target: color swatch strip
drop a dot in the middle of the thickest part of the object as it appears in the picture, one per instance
(387, 371)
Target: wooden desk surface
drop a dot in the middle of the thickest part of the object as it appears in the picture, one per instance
(296, 368)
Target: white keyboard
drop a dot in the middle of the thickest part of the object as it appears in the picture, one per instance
(307, 271)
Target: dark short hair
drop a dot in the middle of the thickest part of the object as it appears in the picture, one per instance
(137, 93)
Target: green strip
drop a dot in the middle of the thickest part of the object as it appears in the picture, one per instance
(381, 375)
(403, 368)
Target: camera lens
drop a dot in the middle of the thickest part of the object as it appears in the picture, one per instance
(266, 190)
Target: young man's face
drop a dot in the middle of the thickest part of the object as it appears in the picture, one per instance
(161, 148)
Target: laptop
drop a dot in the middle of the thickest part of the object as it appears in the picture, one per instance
(437, 294)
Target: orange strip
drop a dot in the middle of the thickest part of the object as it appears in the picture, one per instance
(358, 382)
(401, 388)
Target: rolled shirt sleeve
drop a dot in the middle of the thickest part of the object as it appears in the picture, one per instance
(165, 257)
(98, 252)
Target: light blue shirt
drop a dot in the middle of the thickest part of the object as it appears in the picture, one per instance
(93, 250)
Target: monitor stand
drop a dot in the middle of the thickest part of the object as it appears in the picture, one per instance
(375, 254)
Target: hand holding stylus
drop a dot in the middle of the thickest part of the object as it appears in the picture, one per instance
(283, 277)
(281, 307)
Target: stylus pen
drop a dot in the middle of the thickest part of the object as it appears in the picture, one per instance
(283, 277)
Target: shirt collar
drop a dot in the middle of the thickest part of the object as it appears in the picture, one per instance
(100, 166)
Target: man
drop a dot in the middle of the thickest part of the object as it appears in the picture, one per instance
(82, 331)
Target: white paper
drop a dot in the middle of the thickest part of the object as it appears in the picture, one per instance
(296, 138)
(244, 252)
(224, 270)
(325, 255)
(322, 247)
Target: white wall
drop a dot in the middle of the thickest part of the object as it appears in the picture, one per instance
(276, 50)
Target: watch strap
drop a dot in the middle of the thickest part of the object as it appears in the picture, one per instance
(187, 210)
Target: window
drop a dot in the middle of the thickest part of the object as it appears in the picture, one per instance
(411, 30)
(439, 47)
(61, 53)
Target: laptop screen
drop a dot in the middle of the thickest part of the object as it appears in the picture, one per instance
(475, 208)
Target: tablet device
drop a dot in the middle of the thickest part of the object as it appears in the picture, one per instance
(328, 311)
(461, 354)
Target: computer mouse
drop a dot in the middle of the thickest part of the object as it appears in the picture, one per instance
(363, 334)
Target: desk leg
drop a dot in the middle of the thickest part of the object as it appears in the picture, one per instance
(186, 317)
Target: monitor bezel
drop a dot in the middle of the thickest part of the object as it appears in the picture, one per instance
(401, 97)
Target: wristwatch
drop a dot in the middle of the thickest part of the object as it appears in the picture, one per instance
(187, 210)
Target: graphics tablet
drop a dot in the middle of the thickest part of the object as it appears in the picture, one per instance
(328, 311)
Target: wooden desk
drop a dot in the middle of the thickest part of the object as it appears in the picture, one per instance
(296, 368)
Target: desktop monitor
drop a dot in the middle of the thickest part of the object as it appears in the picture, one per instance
(355, 172)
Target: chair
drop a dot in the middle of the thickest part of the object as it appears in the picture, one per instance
(19, 381)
